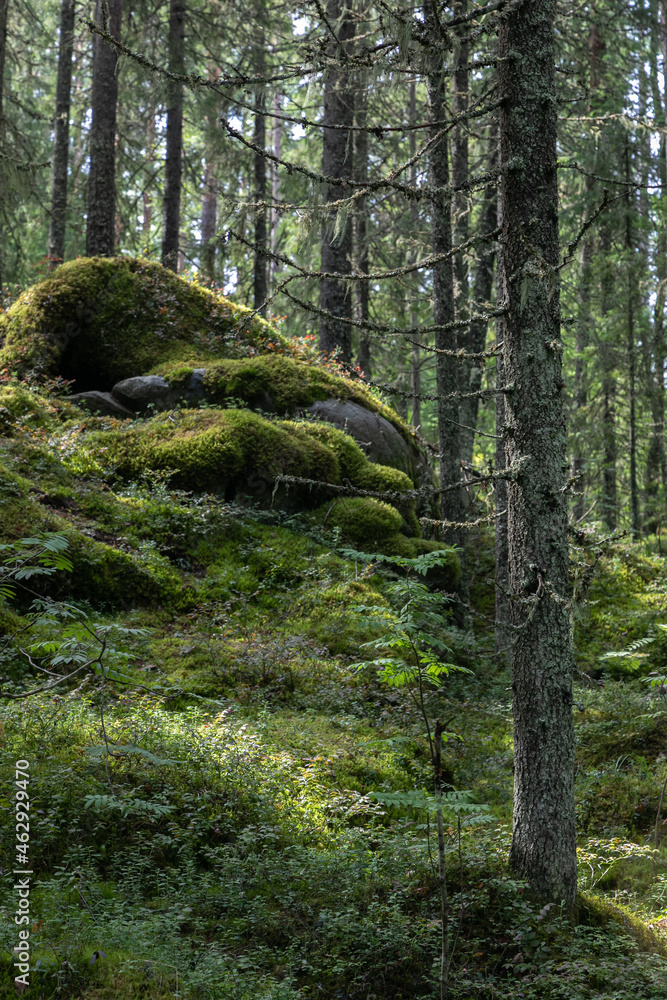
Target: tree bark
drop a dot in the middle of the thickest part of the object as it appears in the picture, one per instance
(259, 195)
(483, 288)
(4, 11)
(361, 290)
(147, 197)
(415, 353)
(58, 218)
(100, 229)
(543, 839)
(460, 171)
(502, 611)
(173, 168)
(337, 162)
(277, 137)
(610, 451)
(447, 368)
(632, 354)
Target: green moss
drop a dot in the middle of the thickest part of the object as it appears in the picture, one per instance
(232, 451)
(99, 320)
(280, 384)
(364, 521)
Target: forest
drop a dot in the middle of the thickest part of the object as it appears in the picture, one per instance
(333, 586)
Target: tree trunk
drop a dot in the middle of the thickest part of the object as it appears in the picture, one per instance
(483, 288)
(337, 162)
(147, 197)
(609, 489)
(543, 840)
(100, 229)
(447, 368)
(460, 171)
(275, 190)
(502, 613)
(632, 351)
(361, 289)
(61, 142)
(209, 218)
(173, 168)
(415, 353)
(4, 11)
(259, 194)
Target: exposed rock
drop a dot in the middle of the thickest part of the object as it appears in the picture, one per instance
(142, 391)
(381, 441)
(101, 402)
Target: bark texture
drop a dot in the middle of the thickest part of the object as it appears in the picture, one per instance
(447, 368)
(337, 162)
(260, 268)
(502, 616)
(543, 840)
(173, 168)
(4, 10)
(361, 290)
(58, 218)
(482, 291)
(100, 228)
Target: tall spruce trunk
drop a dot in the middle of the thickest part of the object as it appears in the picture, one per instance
(502, 607)
(100, 228)
(277, 136)
(147, 196)
(57, 222)
(632, 353)
(361, 289)
(4, 11)
(448, 374)
(173, 167)
(337, 162)
(415, 352)
(482, 291)
(610, 450)
(543, 839)
(460, 206)
(259, 194)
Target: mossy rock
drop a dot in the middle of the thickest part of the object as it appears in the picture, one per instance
(100, 320)
(375, 526)
(236, 452)
(278, 384)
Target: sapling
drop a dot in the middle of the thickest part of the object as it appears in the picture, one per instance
(411, 632)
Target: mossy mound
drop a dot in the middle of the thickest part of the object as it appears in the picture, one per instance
(100, 320)
(278, 384)
(233, 451)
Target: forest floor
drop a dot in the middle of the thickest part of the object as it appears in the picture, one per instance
(240, 810)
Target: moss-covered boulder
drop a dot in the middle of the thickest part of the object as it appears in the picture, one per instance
(238, 451)
(374, 526)
(99, 320)
(287, 386)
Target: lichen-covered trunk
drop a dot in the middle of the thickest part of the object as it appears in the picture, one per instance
(259, 194)
(173, 167)
(502, 607)
(448, 370)
(361, 289)
(461, 198)
(337, 162)
(543, 840)
(100, 227)
(58, 218)
(482, 290)
(4, 10)
(415, 352)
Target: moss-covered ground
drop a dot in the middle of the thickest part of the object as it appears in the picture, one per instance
(213, 821)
